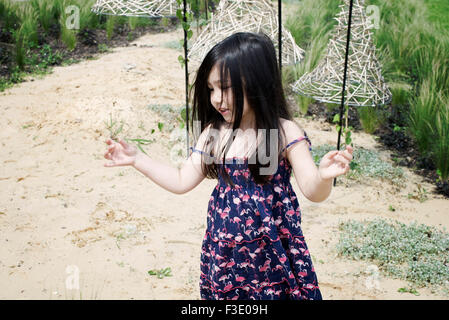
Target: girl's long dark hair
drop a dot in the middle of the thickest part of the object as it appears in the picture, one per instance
(249, 60)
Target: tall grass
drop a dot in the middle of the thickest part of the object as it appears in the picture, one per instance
(370, 118)
(440, 148)
(8, 15)
(416, 51)
(26, 35)
(310, 26)
(46, 11)
(110, 25)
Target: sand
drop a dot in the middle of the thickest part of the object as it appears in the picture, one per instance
(72, 229)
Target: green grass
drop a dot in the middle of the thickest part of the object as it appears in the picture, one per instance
(415, 252)
(438, 13)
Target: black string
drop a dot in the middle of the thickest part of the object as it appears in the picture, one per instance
(187, 77)
(348, 37)
(280, 35)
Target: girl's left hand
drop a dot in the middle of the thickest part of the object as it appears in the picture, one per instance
(335, 163)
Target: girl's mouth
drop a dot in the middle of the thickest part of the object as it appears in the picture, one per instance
(224, 111)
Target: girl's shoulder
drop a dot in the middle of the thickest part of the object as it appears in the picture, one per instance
(291, 129)
(292, 133)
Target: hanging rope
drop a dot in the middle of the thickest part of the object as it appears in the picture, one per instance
(348, 37)
(186, 77)
(280, 35)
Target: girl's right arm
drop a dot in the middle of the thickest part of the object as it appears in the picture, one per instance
(176, 180)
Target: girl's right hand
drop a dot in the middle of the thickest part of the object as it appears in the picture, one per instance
(120, 154)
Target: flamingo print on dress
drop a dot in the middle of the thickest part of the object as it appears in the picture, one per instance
(253, 247)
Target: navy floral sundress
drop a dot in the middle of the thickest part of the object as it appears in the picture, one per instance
(253, 247)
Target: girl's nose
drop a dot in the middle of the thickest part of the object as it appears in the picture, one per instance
(216, 98)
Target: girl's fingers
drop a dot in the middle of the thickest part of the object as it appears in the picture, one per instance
(123, 143)
(333, 154)
(341, 159)
(347, 155)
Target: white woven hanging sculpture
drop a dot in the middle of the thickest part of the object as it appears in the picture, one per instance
(245, 16)
(365, 85)
(136, 8)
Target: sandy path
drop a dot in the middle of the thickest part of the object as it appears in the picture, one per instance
(61, 210)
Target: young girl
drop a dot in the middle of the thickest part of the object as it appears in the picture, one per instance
(253, 246)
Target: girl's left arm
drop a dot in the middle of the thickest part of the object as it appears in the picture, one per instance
(315, 183)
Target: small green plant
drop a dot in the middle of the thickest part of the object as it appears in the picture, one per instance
(420, 194)
(113, 128)
(166, 272)
(185, 26)
(103, 47)
(390, 207)
(47, 57)
(397, 128)
(141, 142)
(118, 238)
(160, 125)
(182, 118)
(347, 130)
(409, 290)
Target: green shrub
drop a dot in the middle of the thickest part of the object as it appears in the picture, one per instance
(416, 252)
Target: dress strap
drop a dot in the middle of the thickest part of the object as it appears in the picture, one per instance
(305, 137)
(199, 151)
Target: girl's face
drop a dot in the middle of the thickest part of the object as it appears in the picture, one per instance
(217, 94)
